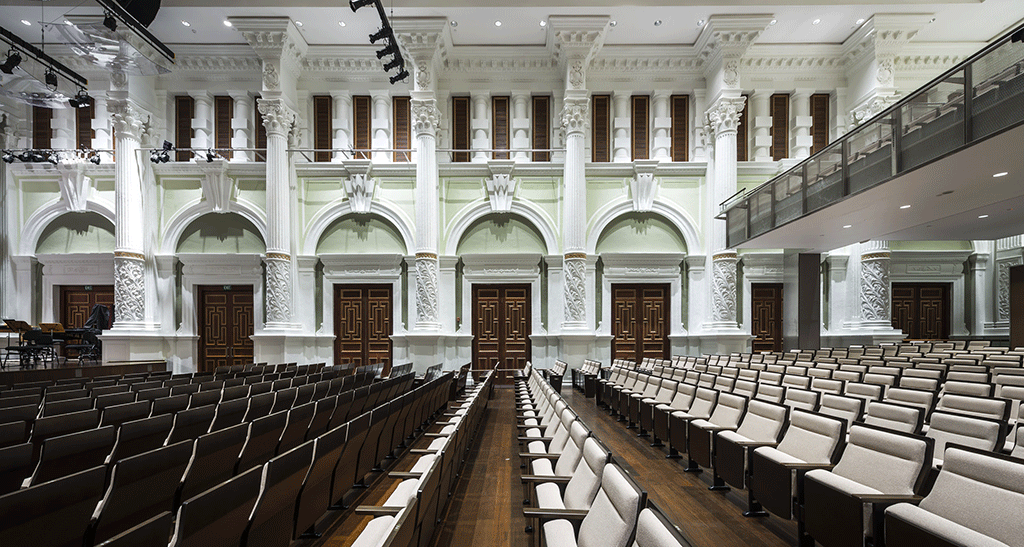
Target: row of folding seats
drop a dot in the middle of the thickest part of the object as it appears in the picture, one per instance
(410, 514)
(144, 484)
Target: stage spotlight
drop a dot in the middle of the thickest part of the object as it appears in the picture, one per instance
(164, 157)
(38, 157)
(80, 100)
(8, 156)
(168, 146)
(1017, 36)
(13, 60)
(390, 49)
(94, 158)
(399, 77)
(380, 35)
(110, 22)
(210, 156)
(26, 156)
(51, 79)
(393, 63)
(53, 158)
(356, 4)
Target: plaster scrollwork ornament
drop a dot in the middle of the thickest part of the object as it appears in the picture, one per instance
(277, 117)
(501, 189)
(118, 79)
(426, 289)
(1003, 291)
(575, 116)
(360, 190)
(869, 110)
(423, 76)
(129, 288)
(875, 289)
(271, 80)
(425, 116)
(279, 292)
(575, 289)
(886, 72)
(724, 116)
(723, 283)
(731, 74)
(125, 119)
(576, 75)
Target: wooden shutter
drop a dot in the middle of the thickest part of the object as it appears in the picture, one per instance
(322, 116)
(541, 127)
(42, 133)
(401, 109)
(640, 141)
(819, 121)
(460, 128)
(780, 125)
(261, 134)
(84, 133)
(499, 123)
(741, 133)
(601, 142)
(223, 110)
(680, 127)
(362, 113)
(184, 111)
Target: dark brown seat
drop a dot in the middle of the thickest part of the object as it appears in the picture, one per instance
(54, 513)
(304, 394)
(259, 406)
(53, 408)
(154, 531)
(143, 435)
(345, 472)
(295, 430)
(229, 413)
(220, 515)
(127, 412)
(191, 423)
(204, 398)
(235, 392)
(261, 445)
(55, 426)
(53, 395)
(20, 400)
(184, 389)
(109, 390)
(214, 459)
(321, 417)
(12, 433)
(273, 521)
(15, 466)
(104, 401)
(341, 410)
(170, 405)
(284, 399)
(68, 454)
(141, 487)
(315, 496)
(154, 393)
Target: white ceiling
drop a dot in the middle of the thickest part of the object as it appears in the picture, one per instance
(955, 20)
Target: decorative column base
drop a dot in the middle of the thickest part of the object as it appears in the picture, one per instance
(575, 291)
(426, 292)
(279, 293)
(129, 291)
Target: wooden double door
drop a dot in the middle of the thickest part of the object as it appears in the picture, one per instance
(226, 326)
(640, 321)
(77, 301)
(766, 316)
(501, 326)
(921, 310)
(362, 325)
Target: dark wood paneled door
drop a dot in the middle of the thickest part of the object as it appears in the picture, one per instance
(640, 322)
(766, 316)
(501, 326)
(921, 310)
(77, 301)
(226, 319)
(362, 325)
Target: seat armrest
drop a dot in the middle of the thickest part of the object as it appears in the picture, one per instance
(751, 445)
(558, 479)
(548, 514)
(538, 455)
(378, 511)
(434, 435)
(807, 466)
(422, 451)
(888, 498)
(404, 475)
(528, 439)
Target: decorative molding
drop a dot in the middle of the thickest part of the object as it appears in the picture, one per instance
(279, 256)
(575, 115)
(279, 288)
(75, 186)
(129, 288)
(500, 187)
(875, 288)
(278, 118)
(428, 256)
(425, 116)
(643, 187)
(360, 189)
(426, 289)
(723, 290)
(1003, 288)
(724, 115)
(125, 118)
(575, 277)
(218, 188)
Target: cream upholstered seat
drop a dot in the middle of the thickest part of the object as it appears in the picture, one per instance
(848, 409)
(681, 401)
(609, 522)
(582, 486)
(905, 419)
(569, 457)
(980, 433)
(664, 396)
(843, 506)
(701, 433)
(762, 425)
(977, 501)
(653, 529)
(703, 405)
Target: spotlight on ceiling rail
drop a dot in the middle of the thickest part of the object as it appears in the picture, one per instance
(110, 22)
(94, 158)
(51, 79)
(381, 34)
(80, 100)
(356, 4)
(390, 49)
(399, 77)
(8, 156)
(13, 60)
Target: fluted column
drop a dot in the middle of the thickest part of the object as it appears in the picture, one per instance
(425, 119)
(241, 126)
(759, 113)
(278, 119)
(802, 122)
(621, 124)
(875, 287)
(342, 123)
(723, 118)
(575, 121)
(481, 125)
(129, 244)
(662, 125)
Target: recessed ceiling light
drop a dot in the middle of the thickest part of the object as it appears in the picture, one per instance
(657, 23)
(545, 23)
(455, 23)
(848, 226)
(298, 23)
(66, 22)
(997, 175)
(26, 22)
(227, 23)
(341, 23)
(773, 21)
(186, 23)
(932, 20)
(612, 23)
(982, 216)
(860, 21)
(497, 23)
(904, 207)
(700, 23)
(816, 21)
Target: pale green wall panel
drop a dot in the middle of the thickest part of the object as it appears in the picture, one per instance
(931, 246)
(601, 190)
(77, 233)
(501, 234)
(226, 233)
(36, 192)
(641, 233)
(361, 234)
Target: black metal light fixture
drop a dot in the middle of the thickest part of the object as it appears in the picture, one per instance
(8, 156)
(51, 79)
(26, 156)
(94, 158)
(13, 60)
(387, 34)
(110, 22)
(210, 156)
(80, 100)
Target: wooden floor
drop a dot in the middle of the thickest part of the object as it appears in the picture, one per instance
(486, 510)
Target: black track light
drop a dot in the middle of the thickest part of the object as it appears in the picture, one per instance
(392, 64)
(210, 156)
(8, 156)
(165, 157)
(168, 146)
(390, 49)
(380, 35)
(51, 79)
(399, 77)
(13, 60)
(110, 22)
(53, 158)
(26, 157)
(154, 156)
(38, 156)
(1017, 36)
(80, 100)
(356, 4)
(94, 158)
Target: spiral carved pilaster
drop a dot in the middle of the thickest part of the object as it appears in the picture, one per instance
(575, 273)
(426, 288)
(279, 289)
(723, 283)
(875, 289)
(129, 288)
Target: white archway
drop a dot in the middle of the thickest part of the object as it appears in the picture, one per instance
(342, 207)
(524, 209)
(196, 209)
(622, 205)
(37, 223)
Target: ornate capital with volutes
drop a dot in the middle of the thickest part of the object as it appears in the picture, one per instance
(575, 115)
(127, 120)
(278, 118)
(425, 116)
(724, 115)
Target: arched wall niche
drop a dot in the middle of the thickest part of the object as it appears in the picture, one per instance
(85, 232)
(640, 233)
(221, 233)
(361, 234)
(501, 233)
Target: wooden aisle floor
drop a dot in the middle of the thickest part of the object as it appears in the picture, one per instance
(486, 510)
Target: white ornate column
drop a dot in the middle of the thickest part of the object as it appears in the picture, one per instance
(575, 121)
(662, 140)
(63, 129)
(723, 289)
(101, 127)
(875, 287)
(698, 136)
(621, 126)
(762, 124)
(381, 125)
(425, 119)
(129, 244)
(521, 124)
(278, 119)
(481, 125)
(202, 123)
(801, 120)
(342, 123)
(241, 126)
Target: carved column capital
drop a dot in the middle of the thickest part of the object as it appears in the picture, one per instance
(127, 120)
(575, 114)
(724, 115)
(278, 118)
(425, 116)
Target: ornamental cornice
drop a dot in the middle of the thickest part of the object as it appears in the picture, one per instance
(729, 36)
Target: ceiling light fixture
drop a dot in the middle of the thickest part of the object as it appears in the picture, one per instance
(1003, 174)
(387, 34)
(542, 23)
(186, 23)
(94, 158)
(341, 23)
(497, 23)
(13, 60)
(8, 156)
(982, 216)
(904, 207)
(816, 21)
(611, 23)
(773, 21)
(456, 23)
(657, 23)
(298, 23)
(110, 22)
(80, 100)
(227, 23)
(51, 79)
(700, 23)
(848, 226)
(26, 22)
(860, 21)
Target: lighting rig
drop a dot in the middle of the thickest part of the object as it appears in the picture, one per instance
(52, 156)
(26, 87)
(387, 34)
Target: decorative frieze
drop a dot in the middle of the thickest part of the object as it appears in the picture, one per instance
(129, 288)
(875, 287)
(723, 287)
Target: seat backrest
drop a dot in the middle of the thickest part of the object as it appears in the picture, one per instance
(729, 410)
(272, 521)
(611, 518)
(863, 390)
(586, 479)
(219, 515)
(906, 419)
(812, 438)
(848, 409)
(745, 388)
(259, 406)
(974, 475)
(763, 421)
(15, 466)
(704, 402)
(653, 529)
(890, 462)
(972, 431)
(827, 385)
(770, 393)
(985, 407)
(683, 397)
(803, 399)
(261, 445)
(119, 414)
(573, 450)
(191, 423)
(52, 513)
(170, 405)
(214, 459)
(68, 454)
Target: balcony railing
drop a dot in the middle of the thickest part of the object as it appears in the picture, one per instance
(977, 99)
